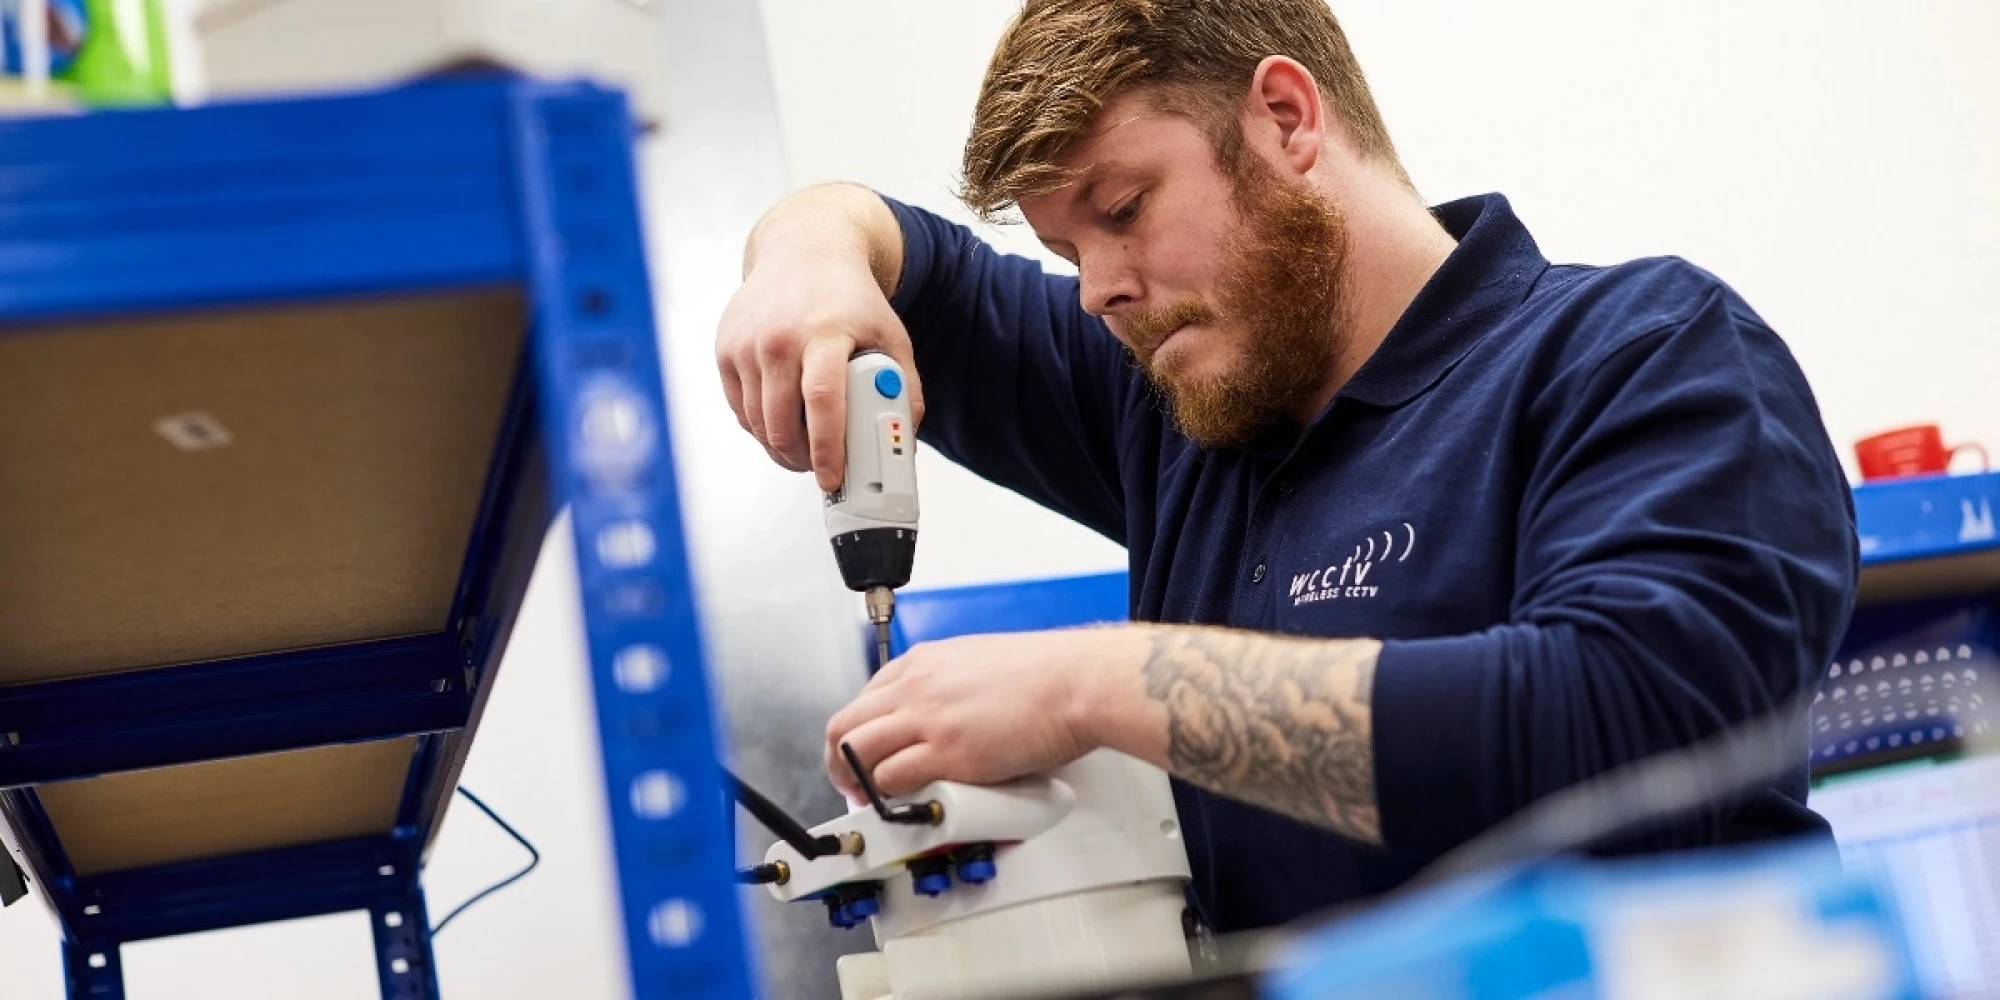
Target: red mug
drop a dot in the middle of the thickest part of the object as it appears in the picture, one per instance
(1910, 451)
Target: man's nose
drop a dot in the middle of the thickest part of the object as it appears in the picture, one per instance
(1105, 288)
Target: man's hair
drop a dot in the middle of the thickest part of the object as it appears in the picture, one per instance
(1062, 60)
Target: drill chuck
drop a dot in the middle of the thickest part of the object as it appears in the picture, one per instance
(875, 557)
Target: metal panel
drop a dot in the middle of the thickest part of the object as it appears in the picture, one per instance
(238, 203)
(93, 971)
(403, 956)
(243, 889)
(604, 422)
(230, 708)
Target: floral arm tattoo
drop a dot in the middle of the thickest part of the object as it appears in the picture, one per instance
(1281, 723)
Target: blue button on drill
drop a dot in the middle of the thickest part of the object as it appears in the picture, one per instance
(888, 383)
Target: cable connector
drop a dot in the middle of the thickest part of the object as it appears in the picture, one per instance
(770, 873)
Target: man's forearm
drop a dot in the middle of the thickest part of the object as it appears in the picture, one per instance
(835, 221)
(1278, 722)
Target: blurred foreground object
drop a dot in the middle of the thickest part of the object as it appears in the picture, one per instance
(58, 53)
(1771, 924)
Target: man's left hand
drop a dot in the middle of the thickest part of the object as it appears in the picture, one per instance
(985, 708)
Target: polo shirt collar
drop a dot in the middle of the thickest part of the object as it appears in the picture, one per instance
(1491, 271)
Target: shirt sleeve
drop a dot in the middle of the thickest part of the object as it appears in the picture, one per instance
(1020, 384)
(1686, 562)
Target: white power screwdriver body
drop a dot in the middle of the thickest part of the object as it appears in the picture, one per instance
(871, 517)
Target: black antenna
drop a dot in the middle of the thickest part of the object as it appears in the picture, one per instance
(777, 821)
(914, 814)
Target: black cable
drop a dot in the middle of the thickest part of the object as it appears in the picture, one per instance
(534, 858)
(777, 821)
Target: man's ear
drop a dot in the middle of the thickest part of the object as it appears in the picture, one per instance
(1286, 117)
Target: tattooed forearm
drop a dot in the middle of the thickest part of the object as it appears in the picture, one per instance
(1281, 723)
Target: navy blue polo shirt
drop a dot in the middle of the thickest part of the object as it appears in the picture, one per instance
(1592, 512)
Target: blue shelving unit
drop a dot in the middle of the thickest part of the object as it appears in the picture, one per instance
(481, 184)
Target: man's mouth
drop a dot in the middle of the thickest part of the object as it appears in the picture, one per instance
(1169, 336)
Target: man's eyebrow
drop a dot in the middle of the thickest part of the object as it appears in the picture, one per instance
(1091, 175)
(1095, 172)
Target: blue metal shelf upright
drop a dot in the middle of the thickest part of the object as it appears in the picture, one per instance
(446, 286)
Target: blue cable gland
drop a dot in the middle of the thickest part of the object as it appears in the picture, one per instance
(861, 909)
(935, 883)
(978, 871)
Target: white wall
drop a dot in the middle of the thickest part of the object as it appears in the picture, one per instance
(1838, 162)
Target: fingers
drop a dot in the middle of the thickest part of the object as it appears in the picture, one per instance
(751, 388)
(908, 769)
(872, 703)
(732, 389)
(872, 741)
(784, 413)
(823, 382)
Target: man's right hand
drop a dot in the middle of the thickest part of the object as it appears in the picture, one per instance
(818, 273)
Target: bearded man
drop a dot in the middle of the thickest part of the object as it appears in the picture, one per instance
(1427, 527)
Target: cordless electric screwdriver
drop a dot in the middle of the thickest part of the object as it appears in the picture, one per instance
(872, 516)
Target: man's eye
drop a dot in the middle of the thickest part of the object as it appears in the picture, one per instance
(1125, 213)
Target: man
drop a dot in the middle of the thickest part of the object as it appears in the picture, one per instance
(1427, 528)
